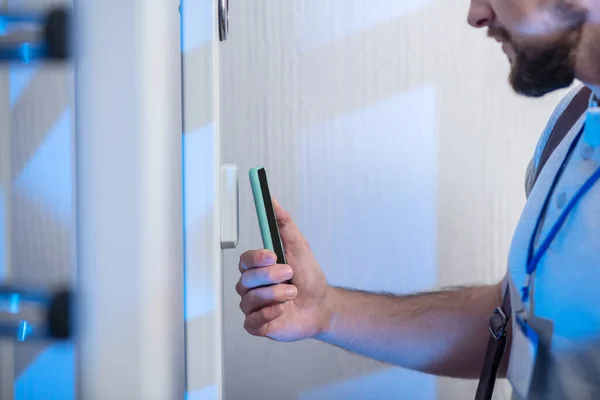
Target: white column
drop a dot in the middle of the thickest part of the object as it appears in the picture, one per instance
(204, 277)
(130, 321)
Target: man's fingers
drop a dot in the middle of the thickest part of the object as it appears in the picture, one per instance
(271, 275)
(263, 276)
(240, 288)
(256, 258)
(266, 296)
(257, 323)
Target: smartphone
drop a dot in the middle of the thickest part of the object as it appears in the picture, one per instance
(265, 212)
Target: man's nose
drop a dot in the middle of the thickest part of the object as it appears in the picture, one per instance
(480, 14)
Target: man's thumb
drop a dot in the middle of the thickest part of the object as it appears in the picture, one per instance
(287, 228)
(283, 217)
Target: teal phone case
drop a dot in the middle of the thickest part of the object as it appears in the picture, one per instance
(261, 212)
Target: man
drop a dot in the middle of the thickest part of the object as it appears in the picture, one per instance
(554, 297)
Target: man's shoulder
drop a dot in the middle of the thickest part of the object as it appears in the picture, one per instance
(559, 110)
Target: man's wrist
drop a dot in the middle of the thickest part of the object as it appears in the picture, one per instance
(331, 308)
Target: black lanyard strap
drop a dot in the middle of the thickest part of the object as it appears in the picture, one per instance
(563, 125)
(495, 348)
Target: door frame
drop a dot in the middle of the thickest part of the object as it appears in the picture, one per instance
(202, 209)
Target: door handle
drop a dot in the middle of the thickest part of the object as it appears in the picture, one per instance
(230, 205)
(33, 36)
(223, 19)
(31, 314)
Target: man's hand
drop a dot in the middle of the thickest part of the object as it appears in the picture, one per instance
(442, 333)
(283, 312)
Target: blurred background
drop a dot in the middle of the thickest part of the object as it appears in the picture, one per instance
(37, 209)
(388, 130)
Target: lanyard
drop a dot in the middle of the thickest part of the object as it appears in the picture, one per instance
(534, 257)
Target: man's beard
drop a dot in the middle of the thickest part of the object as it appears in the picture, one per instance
(542, 65)
(540, 69)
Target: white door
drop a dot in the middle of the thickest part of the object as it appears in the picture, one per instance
(178, 238)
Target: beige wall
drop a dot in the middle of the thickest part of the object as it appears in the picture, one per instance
(389, 131)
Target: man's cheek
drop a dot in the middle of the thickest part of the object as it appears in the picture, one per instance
(511, 14)
(542, 24)
(533, 18)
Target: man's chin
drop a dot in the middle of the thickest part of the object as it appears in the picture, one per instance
(531, 93)
(534, 91)
(534, 83)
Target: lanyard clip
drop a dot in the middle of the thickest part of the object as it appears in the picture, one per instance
(498, 323)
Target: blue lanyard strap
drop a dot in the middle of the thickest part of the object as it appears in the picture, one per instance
(533, 259)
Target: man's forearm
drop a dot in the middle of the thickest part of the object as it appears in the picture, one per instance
(442, 333)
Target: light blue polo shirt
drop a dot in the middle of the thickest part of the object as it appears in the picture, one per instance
(566, 290)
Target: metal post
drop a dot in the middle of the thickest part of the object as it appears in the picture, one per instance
(130, 328)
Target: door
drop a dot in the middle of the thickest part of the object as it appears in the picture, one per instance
(170, 176)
